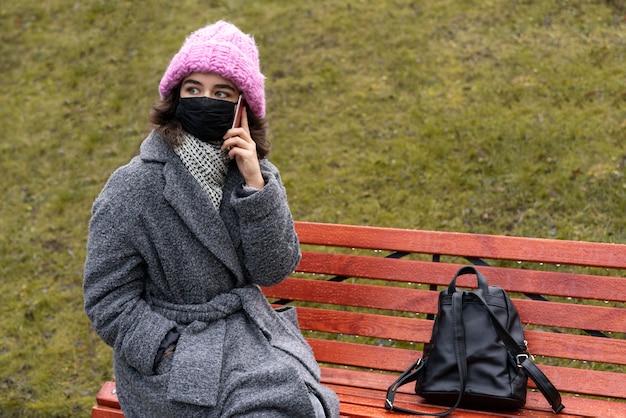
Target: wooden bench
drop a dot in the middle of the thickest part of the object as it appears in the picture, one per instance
(367, 297)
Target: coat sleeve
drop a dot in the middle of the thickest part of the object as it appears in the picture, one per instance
(113, 287)
(270, 243)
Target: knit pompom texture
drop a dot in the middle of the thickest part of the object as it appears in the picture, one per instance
(224, 49)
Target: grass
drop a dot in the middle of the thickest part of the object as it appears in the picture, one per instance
(502, 117)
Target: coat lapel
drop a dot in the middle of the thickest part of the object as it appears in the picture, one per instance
(193, 205)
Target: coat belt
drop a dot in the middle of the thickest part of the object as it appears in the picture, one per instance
(196, 370)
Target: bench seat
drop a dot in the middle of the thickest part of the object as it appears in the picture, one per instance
(367, 297)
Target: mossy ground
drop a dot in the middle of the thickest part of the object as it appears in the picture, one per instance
(504, 117)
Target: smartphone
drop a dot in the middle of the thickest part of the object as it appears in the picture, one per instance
(238, 111)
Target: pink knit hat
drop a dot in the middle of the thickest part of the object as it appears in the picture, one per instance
(223, 49)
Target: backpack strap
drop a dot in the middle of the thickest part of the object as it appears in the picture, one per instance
(413, 372)
(523, 360)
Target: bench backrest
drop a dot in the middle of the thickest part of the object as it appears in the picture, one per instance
(368, 295)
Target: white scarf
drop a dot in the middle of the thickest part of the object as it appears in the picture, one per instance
(207, 163)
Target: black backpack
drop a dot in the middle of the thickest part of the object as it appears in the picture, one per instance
(477, 356)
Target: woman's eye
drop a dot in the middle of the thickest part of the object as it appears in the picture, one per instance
(192, 91)
(221, 95)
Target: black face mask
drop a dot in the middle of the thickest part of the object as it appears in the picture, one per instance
(206, 119)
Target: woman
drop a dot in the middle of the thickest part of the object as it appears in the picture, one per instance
(180, 239)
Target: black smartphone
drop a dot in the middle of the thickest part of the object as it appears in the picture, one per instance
(238, 111)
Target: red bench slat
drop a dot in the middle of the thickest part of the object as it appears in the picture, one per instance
(513, 279)
(423, 301)
(580, 348)
(464, 244)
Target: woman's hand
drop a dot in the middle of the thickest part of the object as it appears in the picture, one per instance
(242, 148)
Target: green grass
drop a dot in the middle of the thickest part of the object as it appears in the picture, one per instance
(502, 117)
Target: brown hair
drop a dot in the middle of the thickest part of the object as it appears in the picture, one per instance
(163, 118)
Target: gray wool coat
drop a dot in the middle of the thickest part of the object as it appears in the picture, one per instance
(159, 256)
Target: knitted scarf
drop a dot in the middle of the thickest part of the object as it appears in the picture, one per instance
(207, 163)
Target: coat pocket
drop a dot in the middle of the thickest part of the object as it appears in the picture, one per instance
(197, 368)
(289, 316)
(291, 341)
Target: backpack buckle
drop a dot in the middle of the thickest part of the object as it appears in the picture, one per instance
(520, 359)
